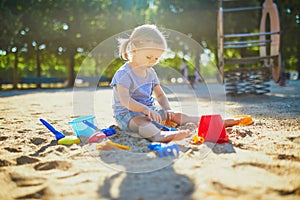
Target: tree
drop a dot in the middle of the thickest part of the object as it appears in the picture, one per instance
(11, 35)
(38, 30)
(52, 34)
(290, 26)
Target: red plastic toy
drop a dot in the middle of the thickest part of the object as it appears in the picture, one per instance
(212, 129)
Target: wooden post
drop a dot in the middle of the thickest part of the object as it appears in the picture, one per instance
(270, 9)
(220, 33)
(15, 71)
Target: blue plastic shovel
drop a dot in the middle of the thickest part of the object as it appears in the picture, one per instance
(58, 135)
(165, 128)
(106, 131)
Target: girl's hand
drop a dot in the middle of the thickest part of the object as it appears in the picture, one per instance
(169, 115)
(152, 114)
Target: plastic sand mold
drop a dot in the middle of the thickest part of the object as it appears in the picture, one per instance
(108, 144)
(99, 135)
(169, 123)
(197, 139)
(212, 129)
(80, 128)
(69, 140)
(245, 120)
(164, 149)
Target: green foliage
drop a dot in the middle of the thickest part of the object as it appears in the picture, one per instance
(47, 35)
(113, 67)
(174, 62)
(290, 25)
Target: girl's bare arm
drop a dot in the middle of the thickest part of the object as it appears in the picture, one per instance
(161, 97)
(135, 106)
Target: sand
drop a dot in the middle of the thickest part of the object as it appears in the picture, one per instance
(262, 161)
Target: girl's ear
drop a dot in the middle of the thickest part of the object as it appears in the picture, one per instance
(133, 48)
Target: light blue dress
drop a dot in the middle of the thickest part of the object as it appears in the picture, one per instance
(140, 89)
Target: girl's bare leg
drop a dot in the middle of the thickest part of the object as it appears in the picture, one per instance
(231, 122)
(149, 131)
(180, 118)
(168, 136)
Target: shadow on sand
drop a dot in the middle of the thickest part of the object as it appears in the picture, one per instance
(143, 176)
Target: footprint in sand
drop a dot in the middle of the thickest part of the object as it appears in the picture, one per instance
(285, 192)
(62, 165)
(5, 163)
(37, 192)
(26, 160)
(13, 150)
(35, 104)
(295, 139)
(28, 186)
(36, 113)
(16, 122)
(24, 130)
(37, 141)
(26, 180)
(222, 190)
(277, 169)
(288, 157)
(3, 138)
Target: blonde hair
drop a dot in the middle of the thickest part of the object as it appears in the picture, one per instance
(141, 37)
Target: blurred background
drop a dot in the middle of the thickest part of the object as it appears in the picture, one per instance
(51, 38)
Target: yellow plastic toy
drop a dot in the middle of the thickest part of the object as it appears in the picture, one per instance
(169, 123)
(245, 120)
(69, 140)
(109, 145)
(197, 140)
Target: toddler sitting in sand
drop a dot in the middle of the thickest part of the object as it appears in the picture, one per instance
(135, 82)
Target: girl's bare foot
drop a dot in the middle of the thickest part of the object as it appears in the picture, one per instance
(231, 122)
(167, 136)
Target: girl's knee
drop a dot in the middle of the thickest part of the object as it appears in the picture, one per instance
(148, 130)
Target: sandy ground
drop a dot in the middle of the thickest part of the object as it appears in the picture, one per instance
(262, 161)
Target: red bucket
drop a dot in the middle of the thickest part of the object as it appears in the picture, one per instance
(212, 129)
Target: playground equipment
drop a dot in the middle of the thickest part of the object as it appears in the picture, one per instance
(247, 73)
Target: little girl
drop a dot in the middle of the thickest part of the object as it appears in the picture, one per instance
(135, 82)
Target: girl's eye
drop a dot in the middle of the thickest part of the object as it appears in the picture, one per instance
(150, 57)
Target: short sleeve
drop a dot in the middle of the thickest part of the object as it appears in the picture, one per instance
(121, 77)
(155, 78)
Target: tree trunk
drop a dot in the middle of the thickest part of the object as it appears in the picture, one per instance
(298, 64)
(97, 64)
(70, 70)
(197, 58)
(15, 71)
(38, 66)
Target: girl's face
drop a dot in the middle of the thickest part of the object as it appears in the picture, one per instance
(147, 56)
